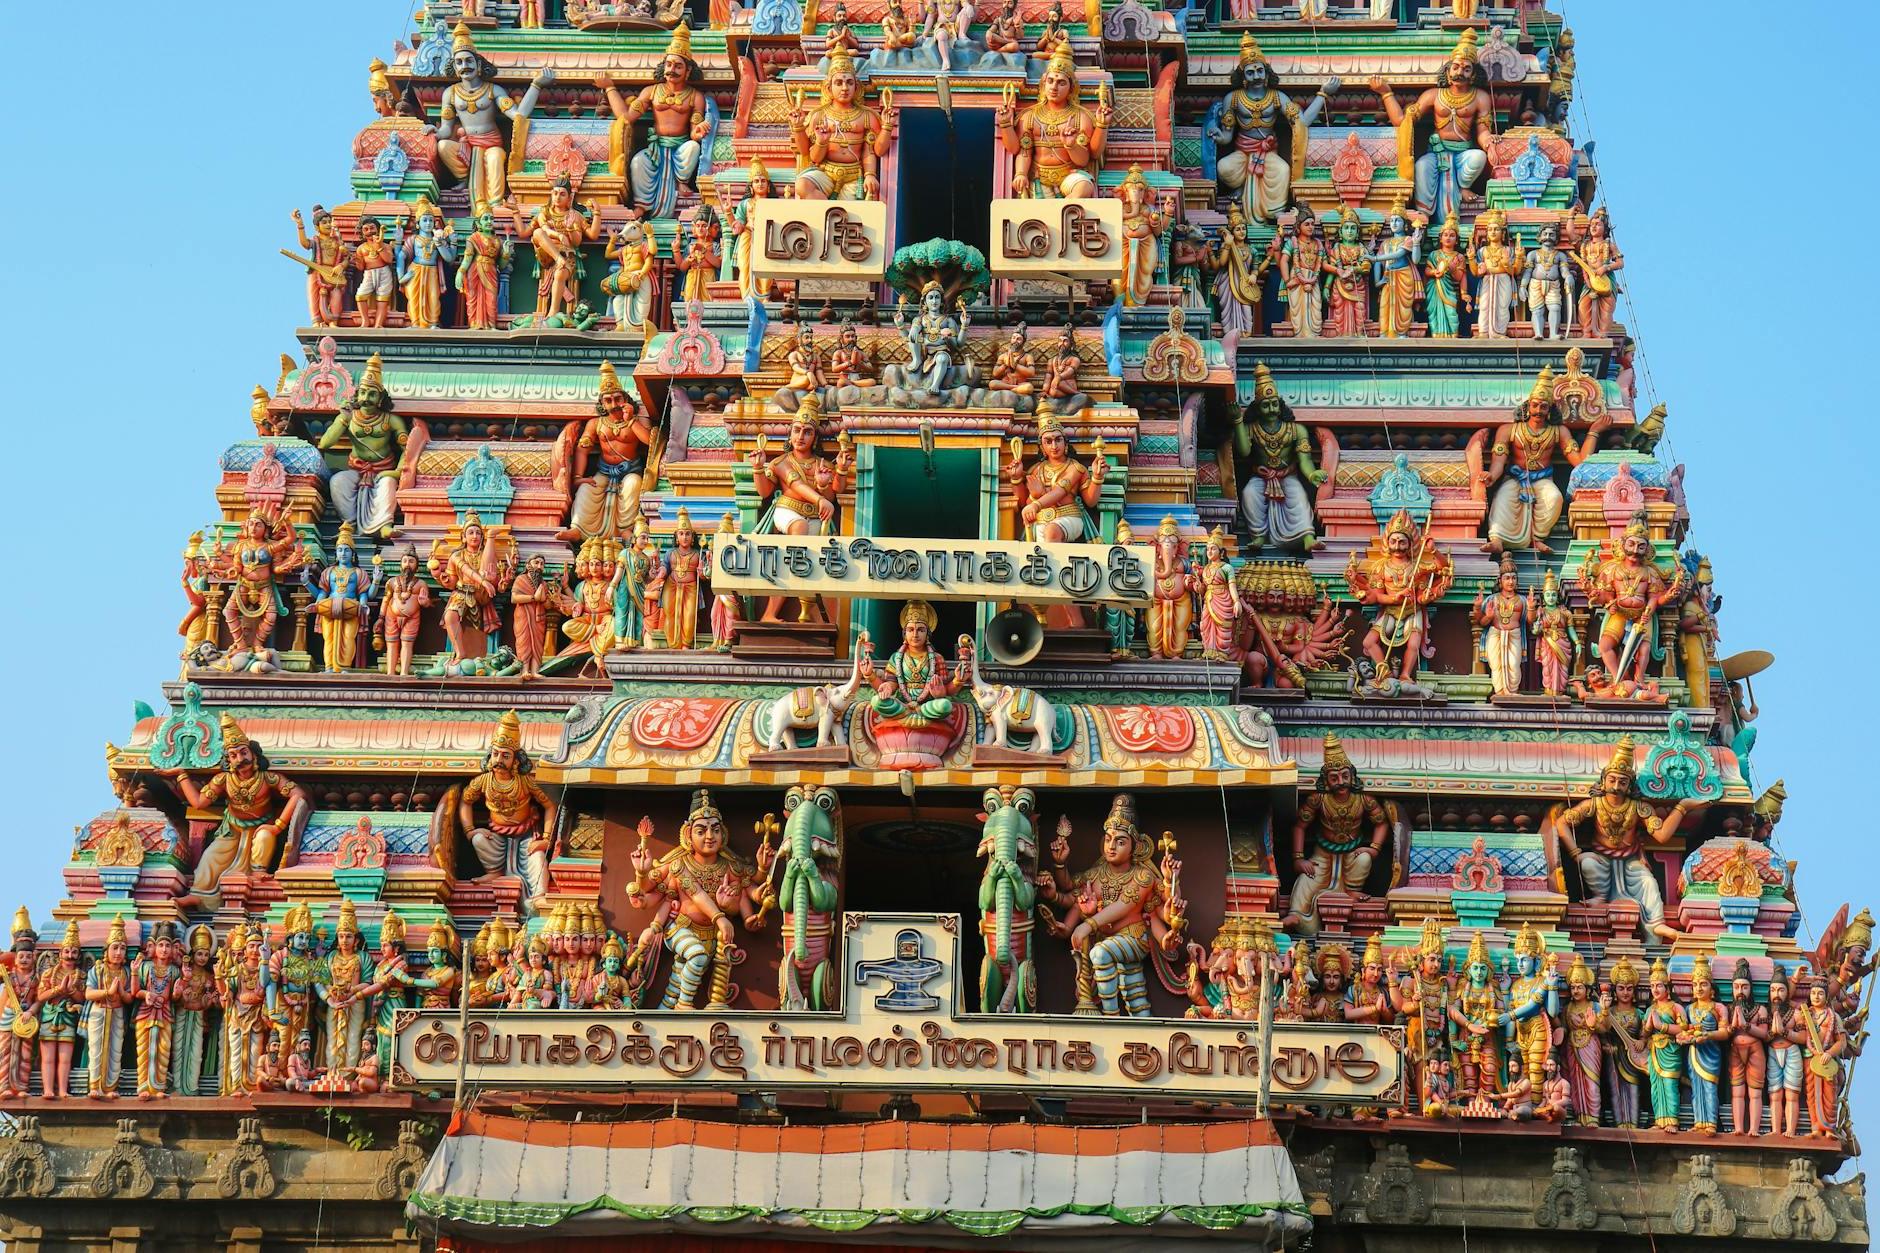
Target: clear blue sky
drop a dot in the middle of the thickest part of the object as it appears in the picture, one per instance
(146, 300)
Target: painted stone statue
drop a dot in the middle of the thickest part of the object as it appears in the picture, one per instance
(610, 462)
(1395, 272)
(695, 893)
(516, 811)
(1259, 179)
(365, 493)
(1547, 285)
(915, 681)
(470, 140)
(800, 488)
(1401, 582)
(812, 837)
(343, 596)
(1505, 617)
(108, 990)
(1057, 143)
(267, 549)
(1171, 595)
(1274, 502)
(1054, 496)
(660, 171)
(1630, 588)
(1666, 1031)
(1496, 261)
(486, 256)
(1533, 1008)
(1347, 827)
(840, 143)
(555, 232)
(1119, 914)
(1613, 865)
(1599, 259)
(422, 256)
(1464, 118)
(262, 815)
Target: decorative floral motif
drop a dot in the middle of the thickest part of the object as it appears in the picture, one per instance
(362, 848)
(1152, 728)
(677, 722)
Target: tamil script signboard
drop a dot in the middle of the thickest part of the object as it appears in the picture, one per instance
(932, 569)
(899, 1029)
(819, 239)
(1068, 238)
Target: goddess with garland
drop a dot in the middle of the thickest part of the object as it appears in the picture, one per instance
(1446, 282)
(479, 275)
(1666, 1029)
(342, 986)
(840, 143)
(915, 681)
(1121, 911)
(1556, 643)
(695, 892)
(1704, 1034)
(1301, 277)
(1057, 142)
(1254, 173)
(1348, 280)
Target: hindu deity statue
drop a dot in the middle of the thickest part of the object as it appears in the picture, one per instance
(1421, 996)
(1143, 224)
(1119, 913)
(1006, 31)
(1631, 589)
(194, 628)
(377, 262)
(915, 681)
(402, 602)
(1547, 282)
(343, 597)
(1347, 827)
(614, 445)
(1254, 173)
(1824, 1041)
(342, 985)
(1394, 268)
(479, 276)
(840, 143)
(1475, 1017)
(1057, 142)
(739, 217)
(1666, 1034)
(59, 992)
(242, 990)
(556, 232)
(473, 571)
(531, 593)
(1331, 967)
(1583, 1021)
(19, 1007)
(1464, 118)
(850, 364)
(533, 985)
(1533, 1005)
(1698, 630)
(1505, 618)
(676, 582)
(326, 274)
(516, 809)
(1784, 1058)
(800, 487)
(1446, 282)
(635, 612)
(936, 340)
(1746, 1025)
(259, 808)
(470, 139)
(1171, 604)
(153, 987)
(604, 603)
(1556, 643)
(1347, 280)
(421, 258)
(680, 124)
(1627, 1058)
(695, 892)
(365, 493)
(196, 995)
(699, 259)
(1371, 995)
(629, 285)
(390, 989)
(292, 984)
(108, 990)
(1224, 980)
(1221, 607)
(1496, 261)
(612, 989)
(1599, 259)
(1302, 277)
(266, 549)
(1614, 867)
(1055, 494)
(1706, 1035)
(1274, 501)
(1401, 582)
(1238, 278)
(1060, 375)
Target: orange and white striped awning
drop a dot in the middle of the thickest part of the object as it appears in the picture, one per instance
(883, 1184)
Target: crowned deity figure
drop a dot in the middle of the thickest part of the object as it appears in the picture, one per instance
(1254, 173)
(800, 487)
(1705, 1036)
(1118, 914)
(1624, 1042)
(1475, 1018)
(936, 339)
(698, 260)
(1055, 493)
(1409, 575)
(1505, 617)
(266, 549)
(469, 132)
(365, 493)
(241, 989)
(480, 275)
(326, 276)
(421, 259)
(291, 986)
(757, 187)
(1822, 1034)
(1219, 597)
(19, 1007)
(595, 622)
(915, 681)
(443, 980)
(1497, 261)
(1556, 643)
(1582, 1022)
(680, 124)
(1422, 997)
(1371, 1000)
(153, 989)
(1058, 142)
(1613, 866)
(1143, 224)
(1599, 259)
(516, 811)
(1464, 118)
(1631, 589)
(343, 988)
(1547, 285)
(108, 990)
(1171, 595)
(1394, 269)
(259, 808)
(1274, 501)
(196, 996)
(59, 992)
(1532, 1008)
(377, 262)
(556, 232)
(1302, 277)
(1347, 280)
(1446, 282)
(1666, 1031)
(610, 462)
(343, 597)
(1331, 967)
(1238, 278)
(695, 892)
(839, 144)
(675, 584)
(472, 570)
(1347, 827)
(632, 257)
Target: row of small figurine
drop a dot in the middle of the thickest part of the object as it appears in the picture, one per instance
(1481, 1046)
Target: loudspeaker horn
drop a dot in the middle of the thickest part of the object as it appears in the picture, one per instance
(1014, 637)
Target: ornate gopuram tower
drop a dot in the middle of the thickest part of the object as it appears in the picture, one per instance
(900, 624)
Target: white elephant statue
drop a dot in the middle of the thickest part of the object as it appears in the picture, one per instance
(819, 708)
(1009, 708)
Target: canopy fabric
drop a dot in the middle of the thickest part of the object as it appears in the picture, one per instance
(902, 1184)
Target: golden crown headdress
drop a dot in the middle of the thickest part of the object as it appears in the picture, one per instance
(680, 45)
(610, 379)
(1527, 941)
(460, 40)
(508, 732)
(232, 734)
(919, 611)
(1621, 760)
